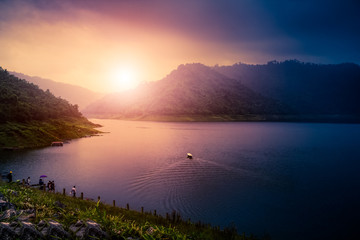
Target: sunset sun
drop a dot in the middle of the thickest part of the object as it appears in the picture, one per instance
(124, 78)
(204, 119)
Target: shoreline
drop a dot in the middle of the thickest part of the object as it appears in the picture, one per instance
(37, 134)
(331, 118)
(113, 222)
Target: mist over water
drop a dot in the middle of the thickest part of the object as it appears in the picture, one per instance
(291, 180)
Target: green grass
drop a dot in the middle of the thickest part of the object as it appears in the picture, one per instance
(39, 133)
(119, 223)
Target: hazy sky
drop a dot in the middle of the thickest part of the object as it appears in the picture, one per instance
(95, 44)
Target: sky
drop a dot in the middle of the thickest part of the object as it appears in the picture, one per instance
(112, 45)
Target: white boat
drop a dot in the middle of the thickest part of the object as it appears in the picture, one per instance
(189, 156)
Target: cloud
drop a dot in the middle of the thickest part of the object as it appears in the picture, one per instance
(69, 40)
(321, 28)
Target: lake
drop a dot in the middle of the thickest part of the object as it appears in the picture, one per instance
(289, 180)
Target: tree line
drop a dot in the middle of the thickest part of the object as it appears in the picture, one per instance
(21, 101)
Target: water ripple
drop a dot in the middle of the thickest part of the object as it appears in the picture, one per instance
(175, 184)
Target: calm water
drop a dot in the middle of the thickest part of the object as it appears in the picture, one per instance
(290, 180)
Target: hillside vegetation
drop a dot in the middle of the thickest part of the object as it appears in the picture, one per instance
(74, 94)
(31, 117)
(192, 91)
(118, 223)
(277, 91)
(308, 88)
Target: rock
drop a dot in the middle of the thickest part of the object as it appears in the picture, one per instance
(57, 230)
(20, 215)
(41, 225)
(27, 218)
(88, 230)
(94, 230)
(16, 227)
(4, 205)
(30, 211)
(52, 230)
(8, 214)
(6, 232)
(28, 231)
(76, 227)
(20, 230)
(59, 204)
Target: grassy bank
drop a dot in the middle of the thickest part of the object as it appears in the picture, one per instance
(41, 133)
(119, 223)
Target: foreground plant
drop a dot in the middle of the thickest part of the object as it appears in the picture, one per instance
(118, 223)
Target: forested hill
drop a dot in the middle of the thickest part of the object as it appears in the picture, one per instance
(74, 94)
(308, 88)
(191, 92)
(21, 101)
(277, 91)
(31, 117)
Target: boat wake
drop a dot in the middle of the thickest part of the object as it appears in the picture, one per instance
(177, 183)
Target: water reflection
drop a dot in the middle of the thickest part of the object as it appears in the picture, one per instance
(261, 176)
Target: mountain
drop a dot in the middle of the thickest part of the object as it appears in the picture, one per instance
(31, 117)
(192, 90)
(75, 94)
(285, 91)
(22, 101)
(308, 88)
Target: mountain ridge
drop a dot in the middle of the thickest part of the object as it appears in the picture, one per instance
(82, 98)
(309, 88)
(190, 90)
(31, 117)
(277, 91)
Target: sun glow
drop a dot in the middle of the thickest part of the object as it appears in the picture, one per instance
(124, 78)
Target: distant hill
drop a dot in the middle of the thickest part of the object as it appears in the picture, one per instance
(285, 91)
(308, 88)
(21, 101)
(192, 90)
(75, 94)
(31, 117)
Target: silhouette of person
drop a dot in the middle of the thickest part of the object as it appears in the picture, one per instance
(9, 176)
(73, 191)
(28, 181)
(41, 183)
(52, 186)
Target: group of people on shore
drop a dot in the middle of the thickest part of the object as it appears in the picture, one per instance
(50, 185)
